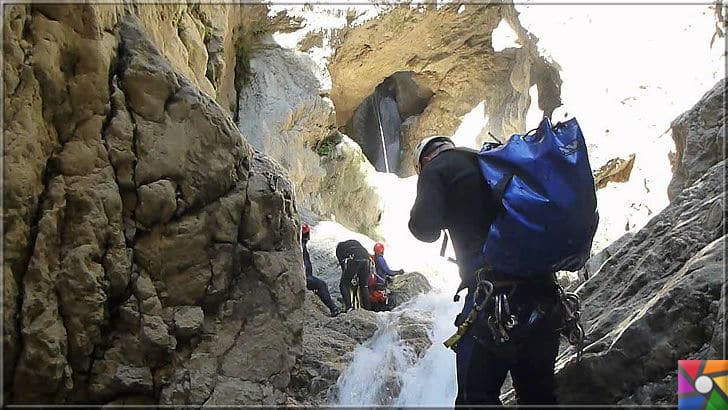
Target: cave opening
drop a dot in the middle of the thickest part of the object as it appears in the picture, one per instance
(377, 122)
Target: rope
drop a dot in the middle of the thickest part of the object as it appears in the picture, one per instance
(381, 133)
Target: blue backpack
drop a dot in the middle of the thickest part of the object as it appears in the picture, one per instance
(544, 183)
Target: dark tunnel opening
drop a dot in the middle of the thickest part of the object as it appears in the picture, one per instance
(376, 123)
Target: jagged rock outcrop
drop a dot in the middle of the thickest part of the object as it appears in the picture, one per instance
(596, 261)
(151, 257)
(700, 137)
(470, 71)
(658, 298)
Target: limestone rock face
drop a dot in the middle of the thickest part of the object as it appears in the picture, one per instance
(283, 114)
(470, 71)
(347, 191)
(656, 300)
(152, 257)
(202, 42)
(699, 136)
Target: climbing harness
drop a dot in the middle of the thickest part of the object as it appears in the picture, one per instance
(571, 328)
(483, 292)
(501, 322)
(381, 133)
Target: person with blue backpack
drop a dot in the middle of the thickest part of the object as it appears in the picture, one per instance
(517, 213)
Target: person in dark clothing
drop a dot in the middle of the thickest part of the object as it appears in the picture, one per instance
(313, 283)
(354, 261)
(382, 272)
(452, 194)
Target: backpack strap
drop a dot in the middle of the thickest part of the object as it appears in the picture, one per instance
(500, 188)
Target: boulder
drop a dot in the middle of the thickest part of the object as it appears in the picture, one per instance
(347, 192)
(406, 286)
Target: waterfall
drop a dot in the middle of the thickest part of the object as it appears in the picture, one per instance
(387, 372)
(373, 377)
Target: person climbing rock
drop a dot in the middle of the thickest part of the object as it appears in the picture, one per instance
(355, 266)
(452, 194)
(313, 283)
(382, 272)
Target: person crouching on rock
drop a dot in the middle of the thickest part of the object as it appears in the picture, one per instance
(355, 267)
(313, 283)
(382, 272)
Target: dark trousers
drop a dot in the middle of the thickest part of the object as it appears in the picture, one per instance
(530, 355)
(481, 372)
(319, 287)
(350, 269)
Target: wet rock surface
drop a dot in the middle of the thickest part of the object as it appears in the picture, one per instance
(330, 345)
(406, 286)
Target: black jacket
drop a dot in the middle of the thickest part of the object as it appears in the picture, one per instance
(452, 194)
(351, 248)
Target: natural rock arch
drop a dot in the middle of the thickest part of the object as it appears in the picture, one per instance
(448, 56)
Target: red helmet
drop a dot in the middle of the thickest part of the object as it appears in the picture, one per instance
(305, 229)
(378, 248)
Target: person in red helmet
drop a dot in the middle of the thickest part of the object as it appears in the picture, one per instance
(313, 283)
(382, 271)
